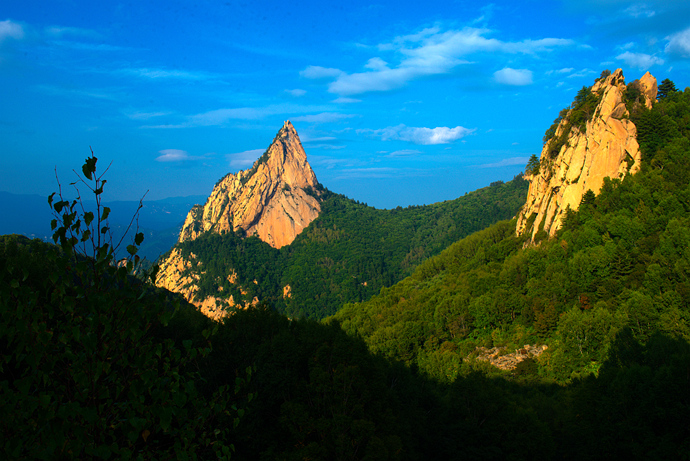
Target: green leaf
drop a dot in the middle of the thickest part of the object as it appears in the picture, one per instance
(106, 213)
(139, 238)
(88, 217)
(89, 167)
(131, 249)
(50, 199)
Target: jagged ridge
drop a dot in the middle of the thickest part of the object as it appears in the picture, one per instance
(606, 148)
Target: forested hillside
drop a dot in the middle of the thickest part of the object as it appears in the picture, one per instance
(621, 262)
(347, 254)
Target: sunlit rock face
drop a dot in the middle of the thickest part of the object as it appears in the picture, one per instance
(273, 200)
(607, 148)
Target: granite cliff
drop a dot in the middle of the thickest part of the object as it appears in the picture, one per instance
(273, 200)
(585, 148)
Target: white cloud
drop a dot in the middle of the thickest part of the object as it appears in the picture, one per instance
(404, 153)
(146, 115)
(581, 73)
(639, 60)
(10, 29)
(376, 64)
(220, 117)
(517, 77)
(87, 46)
(421, 135)
(168, 74)
(307, 138)
(244, 159)
(173, 155)
(318, 72)
(506, 162)
(324, 117)
(59, 31)
(296, 92)
(346, 100)
(428, 52)
(639, 10)
(679, 44)
(326, 146)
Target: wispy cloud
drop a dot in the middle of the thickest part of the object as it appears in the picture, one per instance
(421, 135)
(346, 100)
(244, 159)
(324, 117)
(404, 153)
(296, 92)
(11, 29)
(639, 60)
(145, 115)
(515, 77)
(87, 46)
(582, 73)
(168, 74)
(95, 93)
(430, 51)
(506, 162)
(639, 10)
(174, 155)
(679, 44)
(318, 72)
(219, 117)
(61, 31)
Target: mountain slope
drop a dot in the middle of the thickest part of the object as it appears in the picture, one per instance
(620, 262)
(347, 254)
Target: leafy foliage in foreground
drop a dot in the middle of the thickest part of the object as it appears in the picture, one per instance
(88, 370)
(620, 261)
(348, 253)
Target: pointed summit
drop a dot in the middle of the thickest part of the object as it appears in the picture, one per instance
(274, 199)
(592, 139)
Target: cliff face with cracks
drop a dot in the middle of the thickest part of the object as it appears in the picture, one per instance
(607, 147)
(270, 200)
(274, 200)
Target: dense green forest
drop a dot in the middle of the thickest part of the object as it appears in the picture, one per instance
(99, 364)
(621, 261)
(108, 368)
(348, 253)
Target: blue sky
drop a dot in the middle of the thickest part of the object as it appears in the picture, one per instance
(396, 103)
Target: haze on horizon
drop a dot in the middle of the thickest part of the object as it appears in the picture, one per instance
(396, 103)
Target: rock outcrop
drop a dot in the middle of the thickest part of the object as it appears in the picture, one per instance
(498, 356)
(607, 147)
(273, 200)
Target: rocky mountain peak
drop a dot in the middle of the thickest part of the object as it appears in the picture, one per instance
(594, 139)
(275, 199)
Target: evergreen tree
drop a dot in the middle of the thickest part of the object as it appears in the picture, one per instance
(666, 88)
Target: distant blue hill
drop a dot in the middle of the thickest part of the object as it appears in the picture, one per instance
(159, 220)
